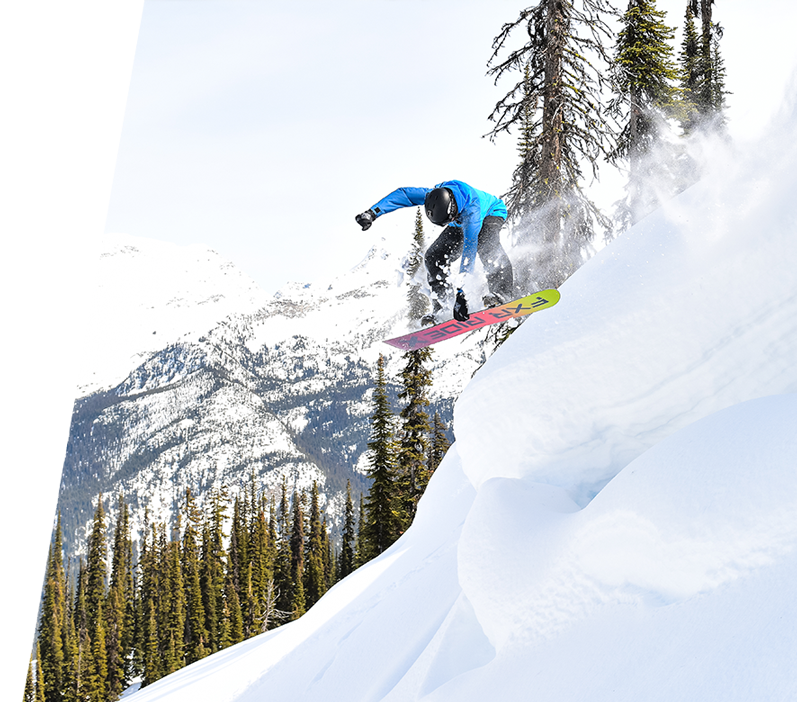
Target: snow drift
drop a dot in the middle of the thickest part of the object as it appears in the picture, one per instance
(617, 518)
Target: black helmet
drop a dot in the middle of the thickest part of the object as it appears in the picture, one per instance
(440, 206)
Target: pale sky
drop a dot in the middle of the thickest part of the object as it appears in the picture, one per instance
(261, 128)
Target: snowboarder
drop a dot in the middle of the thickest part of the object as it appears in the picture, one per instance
(473, 221)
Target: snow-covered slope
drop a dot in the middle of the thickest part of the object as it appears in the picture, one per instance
(617, 520)
(148, 295)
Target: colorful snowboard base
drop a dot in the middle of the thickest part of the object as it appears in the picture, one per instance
(484, 318)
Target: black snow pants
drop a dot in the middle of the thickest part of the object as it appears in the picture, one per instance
(448, 247)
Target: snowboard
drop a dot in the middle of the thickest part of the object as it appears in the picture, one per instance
(448, 330)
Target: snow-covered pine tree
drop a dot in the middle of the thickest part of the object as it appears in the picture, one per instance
(557, 105)
(644, 75)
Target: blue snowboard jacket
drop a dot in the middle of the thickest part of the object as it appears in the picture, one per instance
(473, 205)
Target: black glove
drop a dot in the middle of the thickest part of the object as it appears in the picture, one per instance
(366, 219)
(461, 307)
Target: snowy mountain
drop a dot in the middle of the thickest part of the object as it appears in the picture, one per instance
(195, 379)
(149, 294)
(616, 520)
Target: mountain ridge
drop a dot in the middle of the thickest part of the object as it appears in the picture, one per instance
(280, 386)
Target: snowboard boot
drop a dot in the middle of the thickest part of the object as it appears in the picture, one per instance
(492, 300)
(429, 320)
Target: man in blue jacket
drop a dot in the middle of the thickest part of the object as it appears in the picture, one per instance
(473, 221)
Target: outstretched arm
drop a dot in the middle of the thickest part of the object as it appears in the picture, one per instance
(402, 197)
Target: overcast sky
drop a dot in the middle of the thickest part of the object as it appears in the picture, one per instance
(260, 128)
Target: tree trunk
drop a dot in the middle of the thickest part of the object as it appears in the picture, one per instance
(634, 157)
(708, 63)
(556, 27)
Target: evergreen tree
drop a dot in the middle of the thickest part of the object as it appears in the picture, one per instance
(119, 609)
(261, 569)
(690, 65)
(195, 636)
(413, 446)
(273, 537)
(50, 661)
(282, 567)
(151, 647)
(41, 684)
(232, 605)
(439, 444)
(95, 591)
(137, 659)
(116, 677)
(315, 581)
(148, 641)
(96, 563)
(644, 75)
(173, 608)
(298, 604)
(718, 91)
(212, 567)
(272, 616)
(27, 663)
(346, 560)
(359, 546)
(71, 657)
(382, 519)
(556, 103)
(83, 654)
(522, 196)
(702, 70)
(417, 302)
(98, 673)
(238, 562)
(330, 559)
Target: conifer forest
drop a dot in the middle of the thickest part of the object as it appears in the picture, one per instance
(210, 580)
(587, 86)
